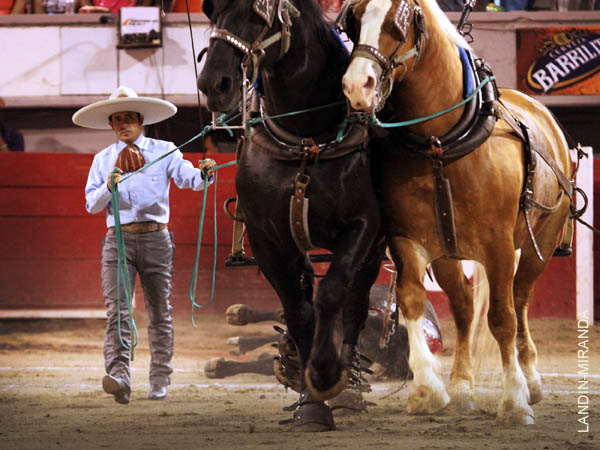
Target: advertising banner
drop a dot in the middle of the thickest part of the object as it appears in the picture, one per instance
(559, 60)
(139, 26)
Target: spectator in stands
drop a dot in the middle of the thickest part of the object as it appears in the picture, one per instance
(105, 6)
(6, 7)
(10, 140)
(581, 5)
(451, 5)
(510, 5)
(538, 5)
(144, 213)
(42, 6)
(517, 5)
(13, 6)
(113, 6)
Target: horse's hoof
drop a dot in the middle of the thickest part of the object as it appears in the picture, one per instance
(350, 401)
(330, 393)
(425, 400)
(214, 368)
(461, 398)
(237, 315)
(312, 416)
(510, 414)
(536, 394)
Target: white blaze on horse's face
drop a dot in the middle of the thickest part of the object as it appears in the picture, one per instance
(360, 80)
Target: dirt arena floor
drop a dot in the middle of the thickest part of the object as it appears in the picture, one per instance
(51, 397)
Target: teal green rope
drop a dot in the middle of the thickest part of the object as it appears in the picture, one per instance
(194, 281)
(342, 130)
(193, 284)
(122, 272)
(223, 123)
(376, 121)
(251, 122)
(227, 164)
(220, 121)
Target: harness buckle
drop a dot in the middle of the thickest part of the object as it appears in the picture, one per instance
(435, 147)
(310, 148)
(302, 179)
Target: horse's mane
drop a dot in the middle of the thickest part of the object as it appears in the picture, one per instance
(447, 27)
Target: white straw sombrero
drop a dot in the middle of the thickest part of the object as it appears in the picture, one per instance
(123, 99)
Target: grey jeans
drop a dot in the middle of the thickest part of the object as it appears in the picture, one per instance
(150, 255)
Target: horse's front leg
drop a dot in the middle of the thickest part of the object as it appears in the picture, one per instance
(291, 275)
(427, 393)
(347, 284)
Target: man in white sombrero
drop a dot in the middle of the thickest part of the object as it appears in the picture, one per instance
(144, 214)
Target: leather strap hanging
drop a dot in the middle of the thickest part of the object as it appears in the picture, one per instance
(442, 201)
(299, 202)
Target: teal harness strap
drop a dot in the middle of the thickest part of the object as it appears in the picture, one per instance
(122, 272)
(376, 121)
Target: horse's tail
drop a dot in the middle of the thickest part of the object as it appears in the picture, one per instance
(485, 352)
(481, 303)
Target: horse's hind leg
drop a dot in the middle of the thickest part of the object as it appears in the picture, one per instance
(449, 274)
(427, 393)
(292, 278)
(356, 307)
(529, 269)
(514, 408)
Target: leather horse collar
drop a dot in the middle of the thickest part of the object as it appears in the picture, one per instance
(283, 145)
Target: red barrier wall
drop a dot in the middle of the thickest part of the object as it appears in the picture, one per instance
(50, 246)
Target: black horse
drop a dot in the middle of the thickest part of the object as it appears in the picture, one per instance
(290, 159)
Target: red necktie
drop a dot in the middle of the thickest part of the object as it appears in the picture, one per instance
(130, 159)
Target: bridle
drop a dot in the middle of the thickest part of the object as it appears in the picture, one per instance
(254, 53)
(404, 17)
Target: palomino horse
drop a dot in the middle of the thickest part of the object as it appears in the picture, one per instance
(409, 50)
(301, 62)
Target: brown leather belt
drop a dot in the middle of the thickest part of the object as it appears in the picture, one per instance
(142, 227)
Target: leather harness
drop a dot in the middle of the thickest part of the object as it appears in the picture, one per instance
(271, 138)
(284, 146)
